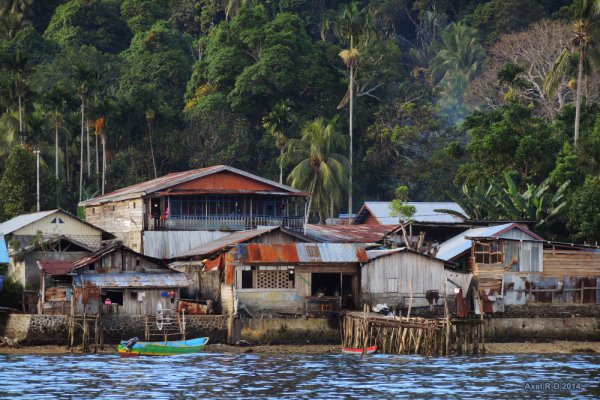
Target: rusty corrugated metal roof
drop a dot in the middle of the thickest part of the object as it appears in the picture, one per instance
(133, 280)
(349, 233)
(301, 253)
(55, 267)
(176, 178)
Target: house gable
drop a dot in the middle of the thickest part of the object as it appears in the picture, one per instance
(59, 224)
(223, 181)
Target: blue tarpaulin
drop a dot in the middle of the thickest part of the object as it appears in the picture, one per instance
(4, 259)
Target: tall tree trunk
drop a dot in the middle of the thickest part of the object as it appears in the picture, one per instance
(152, 151)
(67, 171)
(281, 165)
(310, 197)
(350, 133)
(56, 149)
(103, 162)
(81, 152)
(578, 98)
(87, 134)
(20, 118)
(97, 159)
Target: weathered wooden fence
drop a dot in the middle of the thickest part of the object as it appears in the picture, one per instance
(405, 335)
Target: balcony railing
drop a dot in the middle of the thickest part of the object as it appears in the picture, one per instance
(224, 222)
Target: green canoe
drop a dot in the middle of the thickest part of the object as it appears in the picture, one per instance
(162, 348)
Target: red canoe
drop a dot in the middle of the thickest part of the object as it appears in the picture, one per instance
(352, 350)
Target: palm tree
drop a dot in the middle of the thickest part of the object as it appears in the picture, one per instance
(580, 41)
(16, 63)
(13, 15)
(457, 61)
(350, 25)
(55, 101)
(319, 168)
(82, 77)
(274, 123)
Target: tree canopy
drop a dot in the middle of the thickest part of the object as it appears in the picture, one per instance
(449, 98)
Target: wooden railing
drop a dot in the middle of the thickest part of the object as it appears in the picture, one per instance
(224, 222)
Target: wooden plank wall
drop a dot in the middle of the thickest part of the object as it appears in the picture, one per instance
(123, 260)
(559, 263)
(131, 305)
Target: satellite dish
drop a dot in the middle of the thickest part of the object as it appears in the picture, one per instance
(159, 316)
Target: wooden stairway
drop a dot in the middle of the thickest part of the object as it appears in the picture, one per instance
(172, 326)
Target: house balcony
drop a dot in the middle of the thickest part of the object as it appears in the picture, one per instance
(224, 223)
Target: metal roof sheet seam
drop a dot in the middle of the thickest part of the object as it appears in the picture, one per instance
(302, 253)
(128, 280)
(424, 212)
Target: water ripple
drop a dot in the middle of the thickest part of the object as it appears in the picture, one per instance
(328, 376)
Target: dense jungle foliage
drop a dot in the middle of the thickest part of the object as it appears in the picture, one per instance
(492, 103)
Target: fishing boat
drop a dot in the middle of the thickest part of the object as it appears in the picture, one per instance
(352, 350)
(131, 348)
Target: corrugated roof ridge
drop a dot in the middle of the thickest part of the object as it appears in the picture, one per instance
(164, 181)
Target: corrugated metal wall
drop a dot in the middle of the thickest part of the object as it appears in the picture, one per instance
(387, 278)
(168, 244)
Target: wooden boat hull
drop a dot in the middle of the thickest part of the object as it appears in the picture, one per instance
(351, 350)
(163, 348)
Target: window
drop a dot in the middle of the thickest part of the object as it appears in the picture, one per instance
(267, 277)
(489, 253)
(247, 278)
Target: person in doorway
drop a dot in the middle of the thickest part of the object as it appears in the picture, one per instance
(107, 301)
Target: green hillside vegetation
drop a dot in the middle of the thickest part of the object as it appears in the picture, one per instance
(492, 103)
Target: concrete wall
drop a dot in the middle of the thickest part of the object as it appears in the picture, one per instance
(517, 329)
(53, 329)
(290, 330)
(273, 299)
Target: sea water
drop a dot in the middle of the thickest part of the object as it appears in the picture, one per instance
(292, 376)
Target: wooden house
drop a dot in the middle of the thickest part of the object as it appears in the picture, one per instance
(118, 280)
(204, 264)
(277, 270)
(166, 216)
(430, 218)
(395, 276)
(293, 277)
(47, 235)
(56, 287)
(571, 274)
(502, 259)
